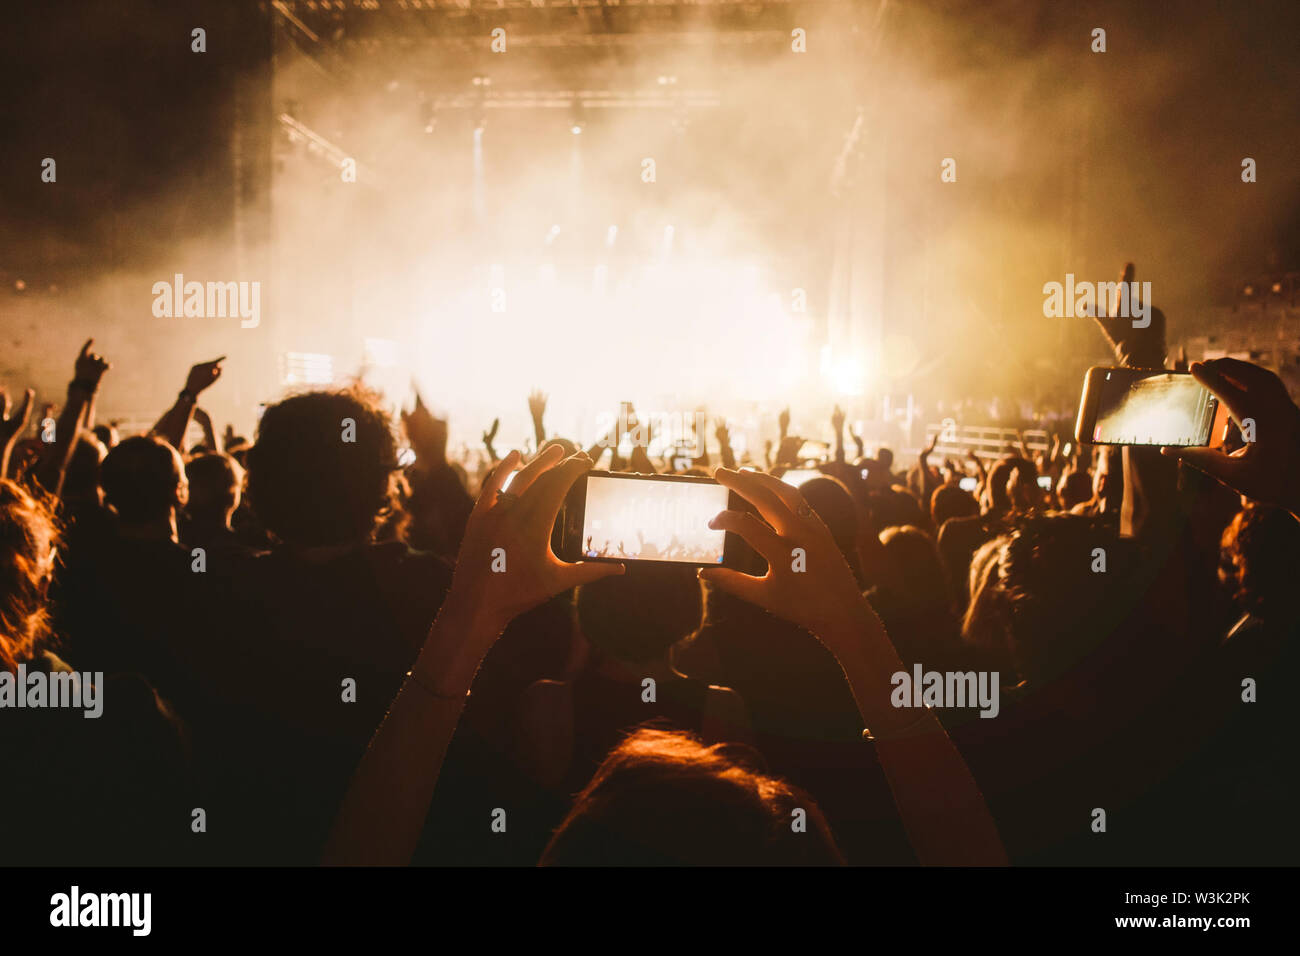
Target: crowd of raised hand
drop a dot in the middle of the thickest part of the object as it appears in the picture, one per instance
(304, 653)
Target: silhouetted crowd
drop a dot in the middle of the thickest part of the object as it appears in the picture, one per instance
(255, 608)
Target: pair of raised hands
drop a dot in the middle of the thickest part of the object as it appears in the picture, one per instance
(823, 599)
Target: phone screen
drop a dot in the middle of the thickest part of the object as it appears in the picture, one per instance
(1045, 482)
(813, 451)
(627, 518)
(968, 483)
(1160, 409)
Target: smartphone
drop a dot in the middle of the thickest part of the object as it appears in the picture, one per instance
(814, 451)
(1123, 406)
(1045, 482)
(968, 484)
(797, 476)
(612, 516)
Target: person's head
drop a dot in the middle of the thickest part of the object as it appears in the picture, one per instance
(885, 458)
(107, 435)
(1258, 561)
(996, 499)
(949, 501)
(916, 570)
(216, 481)
(81, 480)
(1074, 488)
(833, 503)
(29, 541)
(143, 479)
(320, 471)
(986, 623)
(665, 798)
(1039, 595)
(636, 616)
(893, 506)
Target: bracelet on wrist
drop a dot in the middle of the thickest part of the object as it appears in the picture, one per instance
(915, 728)
(431, 690)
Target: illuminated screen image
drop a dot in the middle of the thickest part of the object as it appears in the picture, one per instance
(1162, 409)
(653, 520)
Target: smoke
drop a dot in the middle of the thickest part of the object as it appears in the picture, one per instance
(1066, 161)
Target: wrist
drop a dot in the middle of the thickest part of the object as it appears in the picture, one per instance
(457, 644)
(849, 633)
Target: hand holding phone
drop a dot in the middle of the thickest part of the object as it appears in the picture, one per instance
(819, 592)
(506, 565)
(1267, 466)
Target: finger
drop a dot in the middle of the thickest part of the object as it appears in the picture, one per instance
(788, 494)
(584, 572)
(4, 404)
(1226, 468)
(744, 586)
(552, 487)
(85, 349)
(487, 495)
(217, 361)
(1246, 374)
(756, 534)
(1231, 393)
(756, 488)
(521, 482)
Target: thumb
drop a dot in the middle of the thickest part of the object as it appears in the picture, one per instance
(1209, 460)
(584, 572)
(744, 586)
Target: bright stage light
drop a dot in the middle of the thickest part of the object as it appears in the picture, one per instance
(671, 336)
(844, 374)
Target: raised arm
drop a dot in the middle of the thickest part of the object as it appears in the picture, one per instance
(176, 420)
(723, 433)
(87, 372)
(384, 809)
(489, 437)
(12, 426)
(537, 409)
(205, 422)
(639, 461)
(837, 424)
(942, 809)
